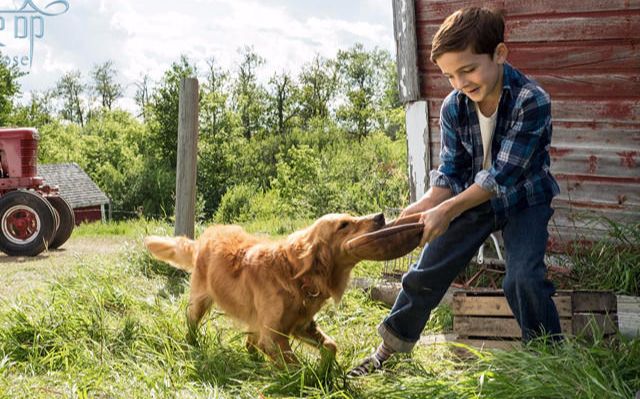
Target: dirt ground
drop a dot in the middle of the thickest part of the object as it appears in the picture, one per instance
(20, 274)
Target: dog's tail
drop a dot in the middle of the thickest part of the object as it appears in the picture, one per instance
(179, 252)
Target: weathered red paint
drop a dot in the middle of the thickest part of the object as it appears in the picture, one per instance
(593, 164)
(627, 158)
(559, 152)
(586, 55)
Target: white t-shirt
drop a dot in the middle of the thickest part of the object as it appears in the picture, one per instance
(487, 126)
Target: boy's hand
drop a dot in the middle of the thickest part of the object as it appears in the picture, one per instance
(436, 222)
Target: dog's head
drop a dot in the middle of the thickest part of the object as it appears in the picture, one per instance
(334, 231)
(321, 250)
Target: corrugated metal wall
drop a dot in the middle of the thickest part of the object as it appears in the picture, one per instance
(586, 55)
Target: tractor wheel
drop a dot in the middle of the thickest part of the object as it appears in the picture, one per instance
(67, 221)
(27, 223)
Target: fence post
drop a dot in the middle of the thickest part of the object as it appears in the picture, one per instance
(187, 157)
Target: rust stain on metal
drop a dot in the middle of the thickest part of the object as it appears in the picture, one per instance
(559, 152)
(593, 164)
(627, 158)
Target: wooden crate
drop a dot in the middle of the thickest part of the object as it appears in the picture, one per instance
(482, 318)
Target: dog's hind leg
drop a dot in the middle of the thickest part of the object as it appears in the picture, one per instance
(199, 304)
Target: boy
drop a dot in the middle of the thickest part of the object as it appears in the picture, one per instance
(494, 175)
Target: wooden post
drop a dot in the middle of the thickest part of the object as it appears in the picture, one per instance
(404, 28)
(418, 149)
(417, 118)
(187, 157)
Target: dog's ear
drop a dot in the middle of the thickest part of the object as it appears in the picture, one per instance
(304, 258)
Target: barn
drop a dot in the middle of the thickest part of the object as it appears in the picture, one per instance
(89, 203)
(586, 55)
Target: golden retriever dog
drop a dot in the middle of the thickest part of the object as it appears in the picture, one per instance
(274, 288)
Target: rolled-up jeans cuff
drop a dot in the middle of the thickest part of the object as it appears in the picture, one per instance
(391, 340)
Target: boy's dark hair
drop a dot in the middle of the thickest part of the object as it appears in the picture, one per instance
(480, 28)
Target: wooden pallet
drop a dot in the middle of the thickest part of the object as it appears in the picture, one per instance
(482, 318)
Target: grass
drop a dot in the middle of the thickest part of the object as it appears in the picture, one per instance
(612, 264)
(116, 328)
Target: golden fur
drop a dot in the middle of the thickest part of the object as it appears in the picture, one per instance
(273, 287)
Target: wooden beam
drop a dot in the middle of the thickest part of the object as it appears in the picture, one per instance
(418, 156)
(187, 157)
(404, 27)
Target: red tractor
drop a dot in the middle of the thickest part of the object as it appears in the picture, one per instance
(33, 216)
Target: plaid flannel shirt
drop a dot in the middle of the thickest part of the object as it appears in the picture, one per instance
(519, 174)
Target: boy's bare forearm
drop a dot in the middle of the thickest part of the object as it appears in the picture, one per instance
(432, 198)
(469, 198)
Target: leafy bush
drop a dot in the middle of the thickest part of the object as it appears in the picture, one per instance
(235, 204)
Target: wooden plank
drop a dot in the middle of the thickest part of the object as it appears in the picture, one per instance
(486, 327)
(629, 315)
(600, 56)
(594, 302)
(482, 344)
(502, 327)
(498, 306)
(560, 85)
(429, 10)
(587, 324)
(577, 135)
(551, 28)
(575, 160)
(406, 49)
(578, 110)
(418, 134)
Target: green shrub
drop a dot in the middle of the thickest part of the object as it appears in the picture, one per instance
(235, 203)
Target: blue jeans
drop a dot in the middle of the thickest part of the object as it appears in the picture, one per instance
(525, 287)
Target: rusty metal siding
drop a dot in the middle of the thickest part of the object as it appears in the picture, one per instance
(586, 55)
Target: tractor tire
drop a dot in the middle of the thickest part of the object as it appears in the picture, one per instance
(67, 221)
(27, 223)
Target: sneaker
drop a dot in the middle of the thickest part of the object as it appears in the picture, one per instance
(368, 366)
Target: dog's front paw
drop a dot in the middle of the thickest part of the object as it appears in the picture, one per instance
(330, 347)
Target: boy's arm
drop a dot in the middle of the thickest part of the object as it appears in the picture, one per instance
(436, 220)
(432, 198)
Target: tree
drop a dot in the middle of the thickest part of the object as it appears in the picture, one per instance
(214, 114)
(37, 112)
(318, 81)
(283, 106)
(142, 96)
(391, 115)
(362, 83)
(105, 85)
(9, 88)
(216, 130)
(248, 96)
(69, 89)
(163, 111)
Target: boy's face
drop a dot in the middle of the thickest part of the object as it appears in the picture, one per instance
(479, 76)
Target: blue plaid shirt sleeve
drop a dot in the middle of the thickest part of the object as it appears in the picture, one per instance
(532, 119)
(454, 158)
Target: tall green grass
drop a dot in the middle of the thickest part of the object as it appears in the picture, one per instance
(611, 264)
(116, 329)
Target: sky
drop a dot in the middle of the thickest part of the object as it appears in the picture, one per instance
(146, 36)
